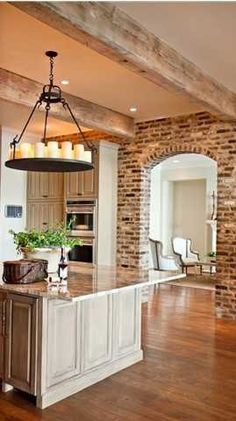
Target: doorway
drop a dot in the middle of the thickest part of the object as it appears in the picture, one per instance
(183, 204)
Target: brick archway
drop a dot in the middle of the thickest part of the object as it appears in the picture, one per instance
(153, 155)
(156, 141)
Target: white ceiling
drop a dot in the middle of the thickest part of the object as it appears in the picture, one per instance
(203, 32)
(23, 41)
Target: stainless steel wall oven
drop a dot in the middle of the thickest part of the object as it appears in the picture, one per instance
(81, 217)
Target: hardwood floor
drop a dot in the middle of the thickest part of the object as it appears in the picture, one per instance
(189, 371)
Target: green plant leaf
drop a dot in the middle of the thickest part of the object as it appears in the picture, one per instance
(57, 236)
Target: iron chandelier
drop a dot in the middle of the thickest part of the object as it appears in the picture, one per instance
(50, 156)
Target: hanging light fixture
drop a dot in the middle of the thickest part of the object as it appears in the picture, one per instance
(50, 156)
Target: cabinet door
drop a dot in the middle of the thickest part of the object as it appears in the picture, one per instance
(37, 185)
(55, 186)
(80, 184)
(73, 185)
(42, 215)
(89, 188)
(21, 342)
(2, 331)
(41, 186)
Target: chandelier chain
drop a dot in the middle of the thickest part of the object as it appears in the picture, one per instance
(51, 70)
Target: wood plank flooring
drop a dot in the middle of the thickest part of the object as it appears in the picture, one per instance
(189, 370)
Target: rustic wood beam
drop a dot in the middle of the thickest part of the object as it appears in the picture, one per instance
(111, 32)
(24, 91)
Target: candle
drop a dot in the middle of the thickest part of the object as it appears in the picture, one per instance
(45, 152)
(26, 150)
(52, 149)
(87, 156)
(18, 154)
(66, 150)
(79, 151)
(39, 150)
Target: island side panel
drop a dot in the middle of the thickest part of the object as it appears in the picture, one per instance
(99, 336)
(97, 315)
(63, 344)
(127, 321)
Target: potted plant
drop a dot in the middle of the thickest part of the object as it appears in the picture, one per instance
(44, 244)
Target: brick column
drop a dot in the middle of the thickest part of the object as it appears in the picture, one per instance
(156, 140)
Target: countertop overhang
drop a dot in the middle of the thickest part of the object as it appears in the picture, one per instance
(84, 283)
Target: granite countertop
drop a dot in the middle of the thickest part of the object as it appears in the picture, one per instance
(84, 282)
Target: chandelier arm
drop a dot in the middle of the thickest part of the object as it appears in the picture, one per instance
(45, 123)
(17, 139)
(89, 144)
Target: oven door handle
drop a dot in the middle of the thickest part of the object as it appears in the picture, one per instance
(78, 213)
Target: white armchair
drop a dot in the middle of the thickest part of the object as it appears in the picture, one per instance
(182, 250)
(161, 262)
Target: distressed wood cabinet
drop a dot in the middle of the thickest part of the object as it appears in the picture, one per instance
(52, 348)
(41, 215)
(45, 186)
(45, 199)
(47, 193)
(20, 342)
(2, 331)
(80, 184)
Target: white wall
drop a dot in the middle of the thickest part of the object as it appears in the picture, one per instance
(13, 192)
(161, 205)
(155, 204)
(107, 204)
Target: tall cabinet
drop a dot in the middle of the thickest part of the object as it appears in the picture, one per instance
(48, 192)
(45, 199)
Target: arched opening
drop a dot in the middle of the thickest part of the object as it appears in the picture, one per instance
(183, 204)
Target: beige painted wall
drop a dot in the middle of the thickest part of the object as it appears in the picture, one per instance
(190, 211)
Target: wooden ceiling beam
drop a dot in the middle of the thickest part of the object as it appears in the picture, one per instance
(24, 91)
(111, 32)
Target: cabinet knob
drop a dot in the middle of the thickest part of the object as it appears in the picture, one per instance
(45, 195)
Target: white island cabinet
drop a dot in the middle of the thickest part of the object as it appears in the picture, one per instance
(72, 339)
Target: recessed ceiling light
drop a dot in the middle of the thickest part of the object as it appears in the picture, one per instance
(133, 109)
(65, 82)
(175, 161)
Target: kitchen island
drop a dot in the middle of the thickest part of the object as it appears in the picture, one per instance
(54, 343)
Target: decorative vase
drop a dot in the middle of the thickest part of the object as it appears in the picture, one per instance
(51, 254)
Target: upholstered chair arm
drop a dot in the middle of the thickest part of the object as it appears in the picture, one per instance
(169, 262)
(193, 253)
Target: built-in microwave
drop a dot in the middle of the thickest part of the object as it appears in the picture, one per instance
(81, 218)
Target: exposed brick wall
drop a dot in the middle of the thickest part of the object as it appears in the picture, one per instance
(155, 141)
